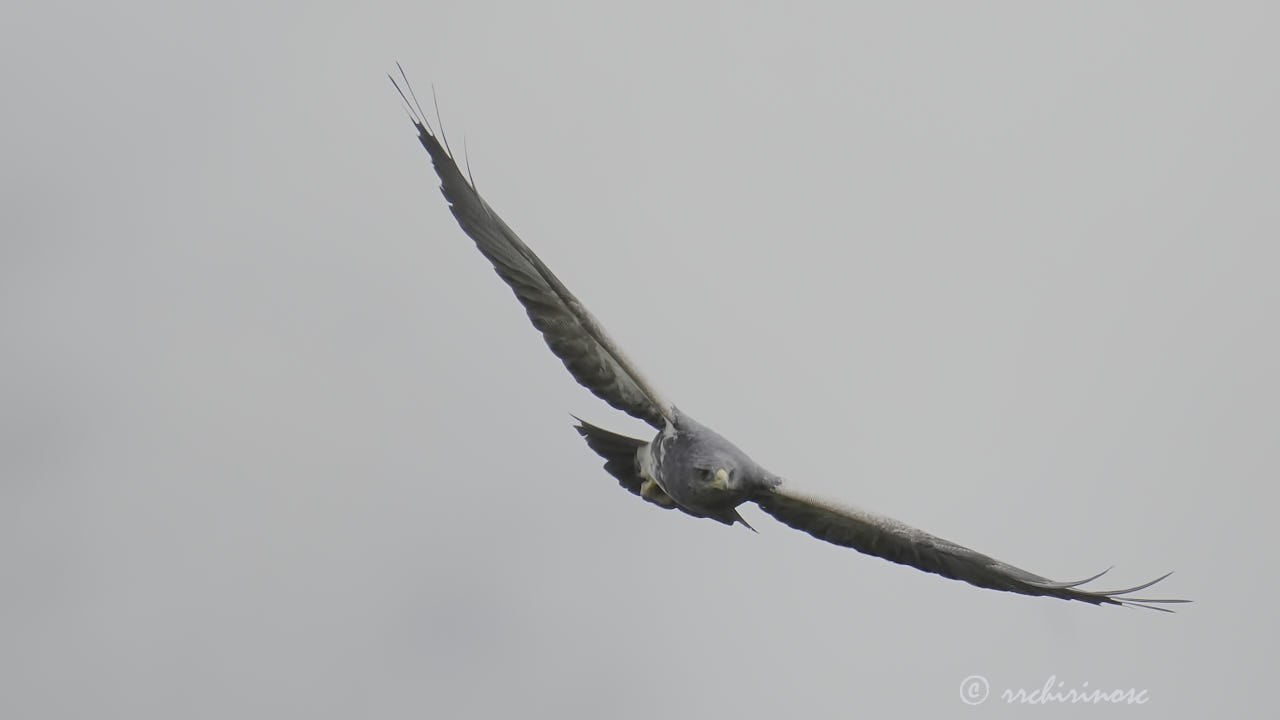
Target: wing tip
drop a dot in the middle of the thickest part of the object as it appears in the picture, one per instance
(1122, 597)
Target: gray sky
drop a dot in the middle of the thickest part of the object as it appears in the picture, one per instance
(276, 442)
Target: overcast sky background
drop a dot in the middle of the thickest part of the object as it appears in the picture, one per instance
(276, 442)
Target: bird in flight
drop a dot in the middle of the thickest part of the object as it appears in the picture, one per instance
(687, 466)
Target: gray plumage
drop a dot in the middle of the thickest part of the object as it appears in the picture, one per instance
(688, 466)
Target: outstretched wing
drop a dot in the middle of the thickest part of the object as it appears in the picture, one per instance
(887, 538)
(590, 355)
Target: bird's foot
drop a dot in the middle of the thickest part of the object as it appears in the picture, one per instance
(649, 490)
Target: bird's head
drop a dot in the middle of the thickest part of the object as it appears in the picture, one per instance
(719, 477)
(733, 474)
(719, 468)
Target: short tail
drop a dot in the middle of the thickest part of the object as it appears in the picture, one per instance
(618, 451)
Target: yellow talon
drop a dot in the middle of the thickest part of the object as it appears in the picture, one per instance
(651, 491)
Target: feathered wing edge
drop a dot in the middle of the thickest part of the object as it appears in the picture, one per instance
(572, 333)
(900, 543)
